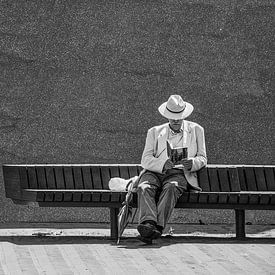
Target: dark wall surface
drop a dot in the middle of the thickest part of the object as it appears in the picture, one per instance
(81, 81)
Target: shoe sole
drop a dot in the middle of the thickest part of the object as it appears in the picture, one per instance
(145, 240)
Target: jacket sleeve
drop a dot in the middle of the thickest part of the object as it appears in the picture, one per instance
(149, 160)
(200, 160)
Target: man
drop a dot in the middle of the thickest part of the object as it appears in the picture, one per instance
(162, 183)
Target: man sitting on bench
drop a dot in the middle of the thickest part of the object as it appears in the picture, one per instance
(163, 182)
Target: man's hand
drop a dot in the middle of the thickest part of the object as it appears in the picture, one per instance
(187, 163)
(168, 165)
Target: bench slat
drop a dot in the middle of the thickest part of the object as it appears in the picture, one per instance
(114, 171)
(96, 177)
(123, 172)
(213, 198)
(50, 177)
(234, 180)
(224, 180)
(77, 196)
(203, 179)
(242, 179)
(32, 177)
(77, 175)
(68, 177)
(233, 198)
(105, 175)
(133, 171)
(213, 179)
(260, 179)
(250, 179)
(41, 177)
(270, 179)
(87, 177)
(24, 183)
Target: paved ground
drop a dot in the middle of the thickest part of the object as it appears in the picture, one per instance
(87, 249)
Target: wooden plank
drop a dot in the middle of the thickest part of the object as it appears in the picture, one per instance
(86, 197)
(32, 177)
(242, 178)
(244, 198)
(265, 198)
(105, 197)
(233, 198)
(224, 180)
(58, 196)
(40, 196)
(270, 178)
(50, 177)
(254, 199)
(77, 175)
(250, 179)
(234, 180)
(213, 198)
(223, 198)
(203, 197)
(49, 196)
(24, 182)
(123, 172)
(77, 196)
(59, 176)
(87, 177)
(68, 177)
(95, 196)
(115, 197)
(105, 176)
(260, 179)
(96, 177)
(12, 180)
(133, 171)
(41, 177)
(203, 179)
(114, 171)
(68, 196)
(213, 179)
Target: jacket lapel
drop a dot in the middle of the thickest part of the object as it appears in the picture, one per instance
(186, 134)
(162, 137)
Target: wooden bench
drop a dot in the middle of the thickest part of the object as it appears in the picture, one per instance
(236, 187)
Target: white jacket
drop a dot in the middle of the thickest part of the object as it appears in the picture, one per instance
(155, 153)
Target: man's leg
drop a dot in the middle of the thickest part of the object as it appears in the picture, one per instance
(172, 189)
(147, 189)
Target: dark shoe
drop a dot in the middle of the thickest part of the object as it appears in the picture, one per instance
(145, 240)
(146, 230)
(156, 234)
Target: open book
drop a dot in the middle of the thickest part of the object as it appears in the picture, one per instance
(176, 154)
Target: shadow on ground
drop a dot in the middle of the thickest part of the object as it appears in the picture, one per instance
(130, 243)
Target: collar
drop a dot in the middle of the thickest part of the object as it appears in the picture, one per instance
(173, 133)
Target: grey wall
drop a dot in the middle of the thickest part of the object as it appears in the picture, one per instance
(81, 82)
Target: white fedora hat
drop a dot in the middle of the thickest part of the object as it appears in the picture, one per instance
(176, 108)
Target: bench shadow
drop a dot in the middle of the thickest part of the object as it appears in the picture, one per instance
(131, 242)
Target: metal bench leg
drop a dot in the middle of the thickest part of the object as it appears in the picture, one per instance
(114, 224)
(240, 223)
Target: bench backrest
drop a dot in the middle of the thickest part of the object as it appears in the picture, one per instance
(214, 178)
(257, 178)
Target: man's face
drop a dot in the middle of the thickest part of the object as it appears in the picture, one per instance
(175, 124)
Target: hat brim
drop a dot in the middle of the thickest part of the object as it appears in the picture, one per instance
(182, 115)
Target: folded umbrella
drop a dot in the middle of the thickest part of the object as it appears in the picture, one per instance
(126, 212)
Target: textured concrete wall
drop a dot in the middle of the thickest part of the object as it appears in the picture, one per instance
(81, 81)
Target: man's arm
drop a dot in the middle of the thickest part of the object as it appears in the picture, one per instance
(200, 160)
(148, 160)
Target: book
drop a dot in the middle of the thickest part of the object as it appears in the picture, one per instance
(176, 154)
